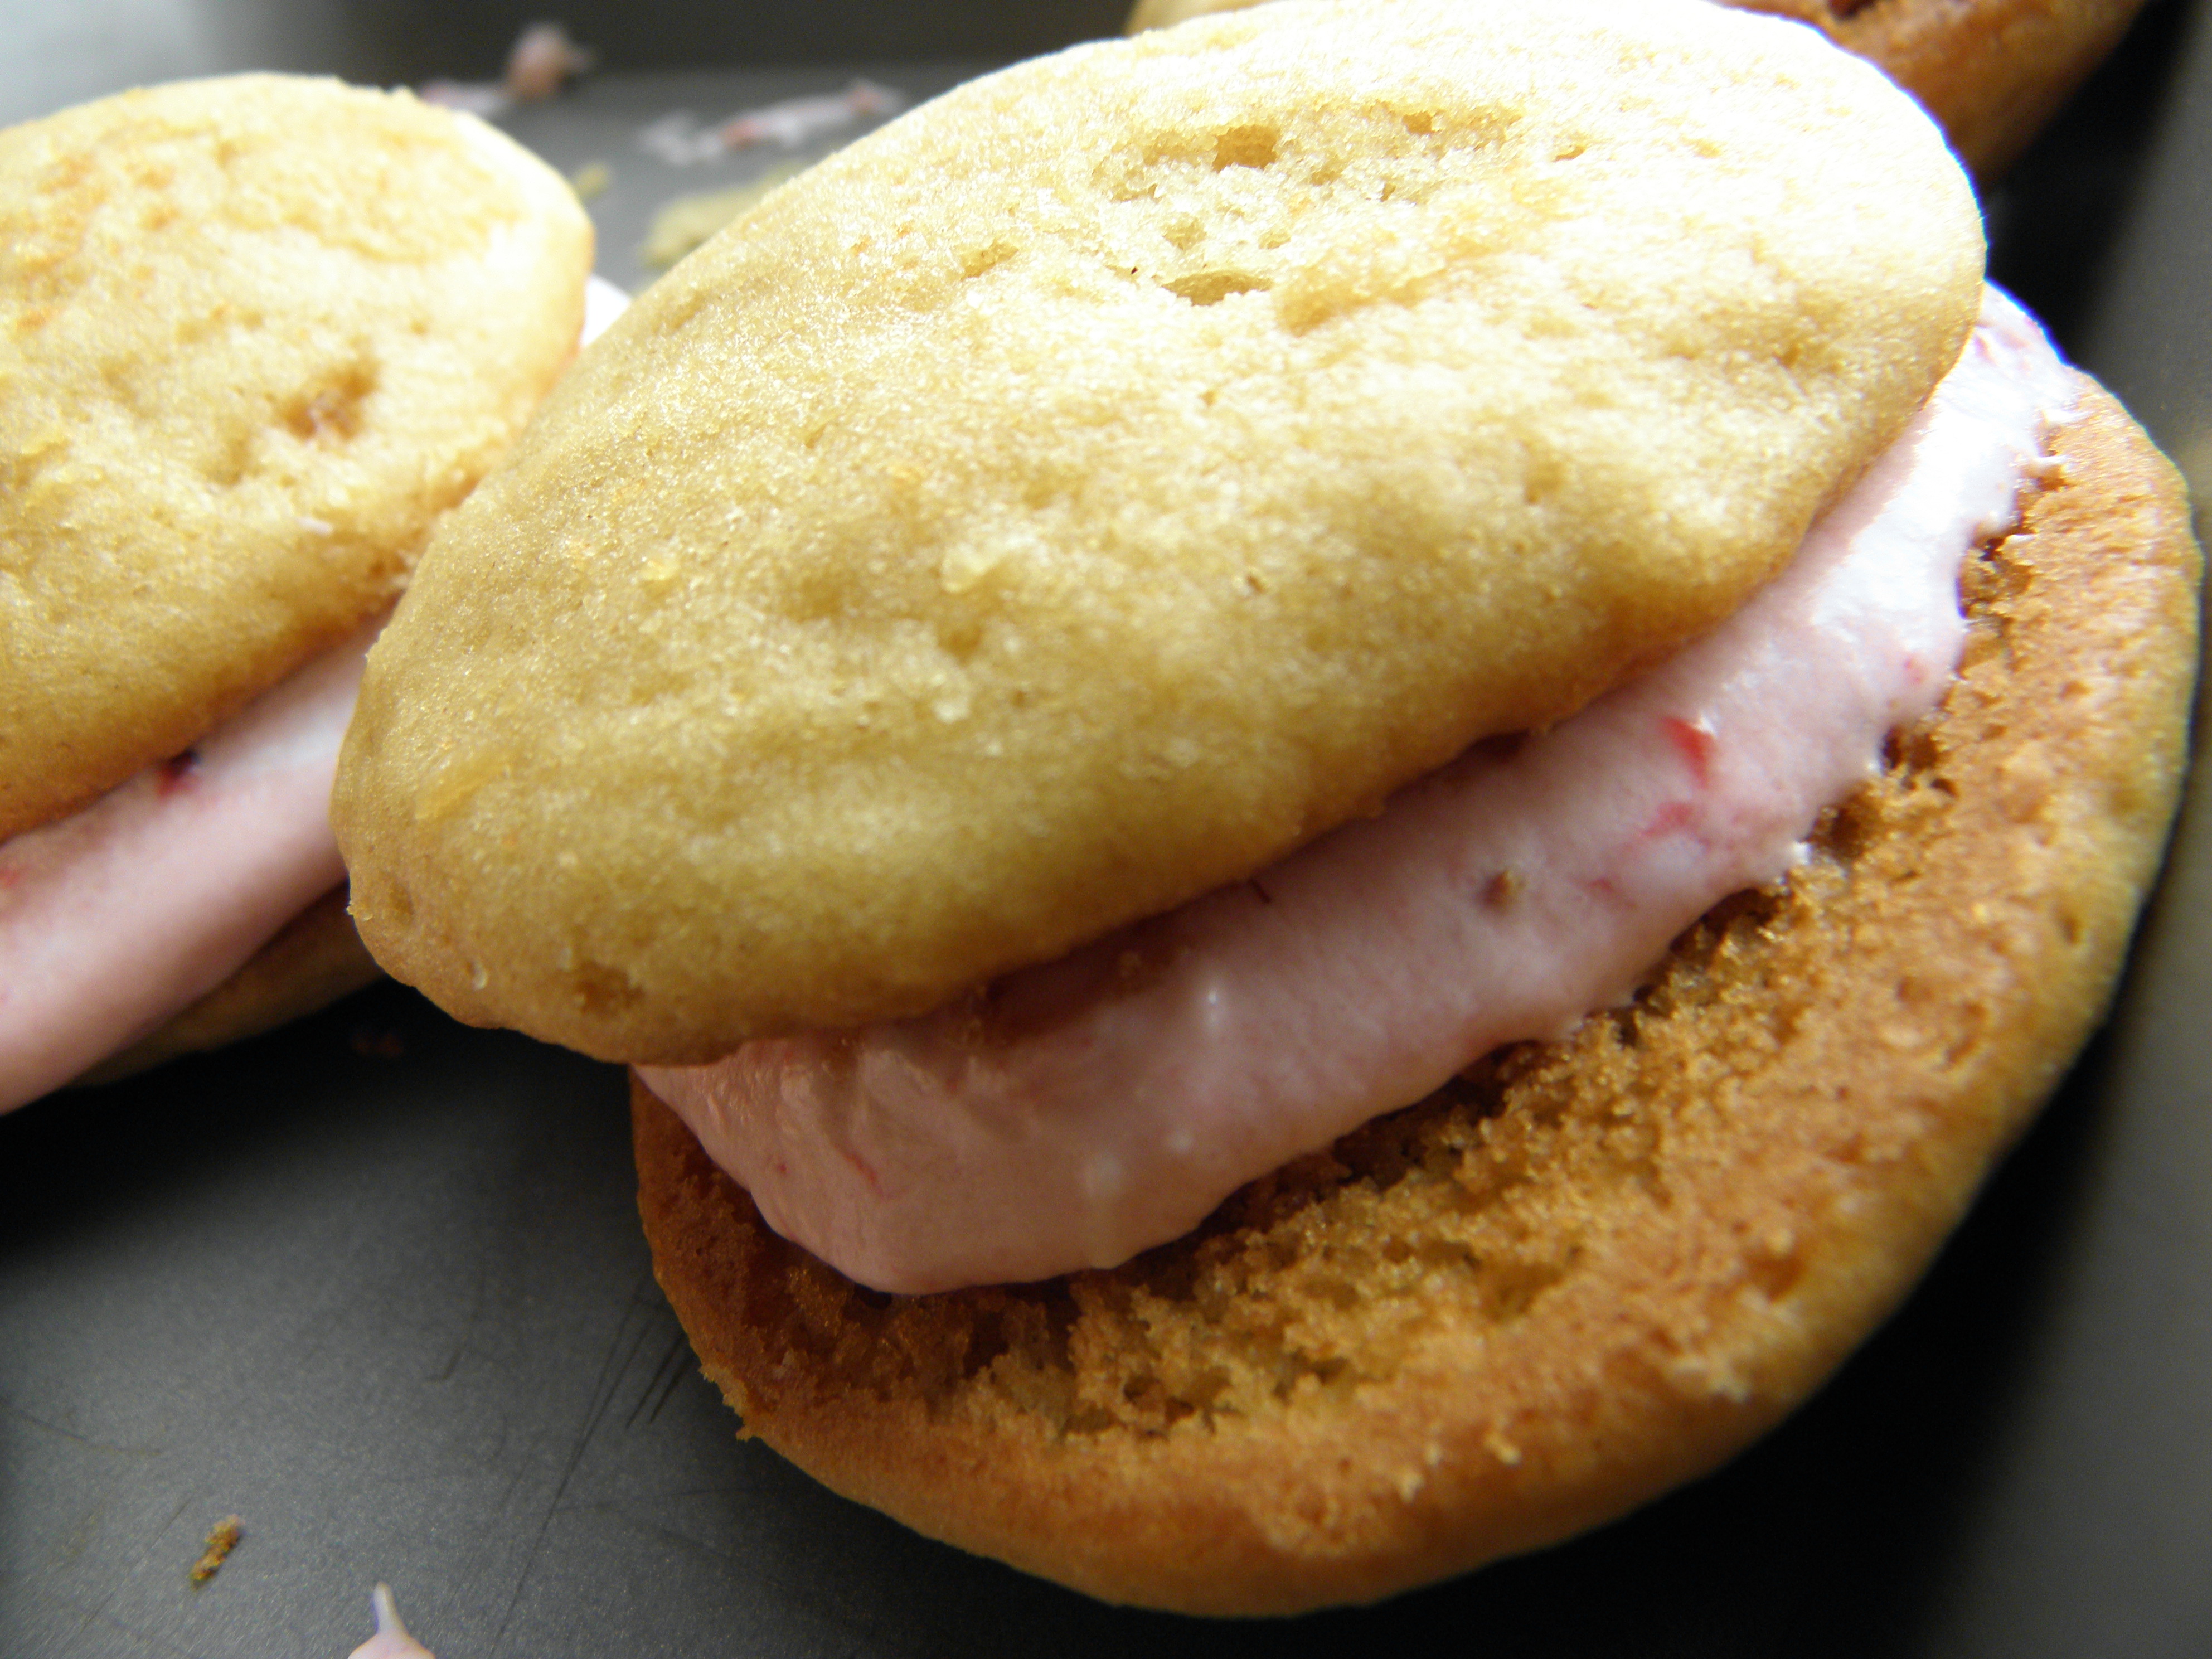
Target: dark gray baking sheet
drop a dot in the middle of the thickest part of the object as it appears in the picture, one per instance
(375, 1284)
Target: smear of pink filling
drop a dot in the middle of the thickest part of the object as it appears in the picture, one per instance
(392, 1640)
(1073, 1113)
(114, 920)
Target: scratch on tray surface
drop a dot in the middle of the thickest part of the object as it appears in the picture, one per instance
(56, 1429)
(97, 1614)
(148, 1641)
(479, 1297)
(629, 1334)
(670, 1367)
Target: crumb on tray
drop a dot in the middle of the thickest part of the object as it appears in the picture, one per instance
(542, 60)
(685, 221)
(220, 1543)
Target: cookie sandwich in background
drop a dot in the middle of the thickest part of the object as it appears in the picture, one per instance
(1264, 739)
(1991, 72)
(257, 335)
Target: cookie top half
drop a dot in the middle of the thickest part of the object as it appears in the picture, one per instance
(1119, 471)
(257, 335)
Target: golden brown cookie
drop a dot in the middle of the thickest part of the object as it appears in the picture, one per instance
(257, 335)
(1989, 71)
(1118, 472)
(1590, 1269)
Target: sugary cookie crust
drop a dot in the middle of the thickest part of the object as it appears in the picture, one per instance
(1591, 1270)
(1118, 472)
(1989, 71)
(257, 335)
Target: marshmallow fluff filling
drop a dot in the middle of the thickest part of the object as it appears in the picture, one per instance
(1070, 1114)
(116, 919)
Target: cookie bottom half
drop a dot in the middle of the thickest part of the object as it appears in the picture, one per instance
(1586, 1270)
(1991, 72)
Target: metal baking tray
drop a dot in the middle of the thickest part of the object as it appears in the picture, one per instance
(375, 1284)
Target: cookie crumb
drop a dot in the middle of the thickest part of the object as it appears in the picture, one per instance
(378, 1042)
(688, 221)
(220, 1543)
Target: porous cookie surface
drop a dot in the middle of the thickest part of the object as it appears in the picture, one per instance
(1989, 71)
(1590, 1269)
(1118, 472)
(256, 335)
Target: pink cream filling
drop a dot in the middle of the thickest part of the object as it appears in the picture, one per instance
(1070, 1115)
(117, 919)
(114, 919)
